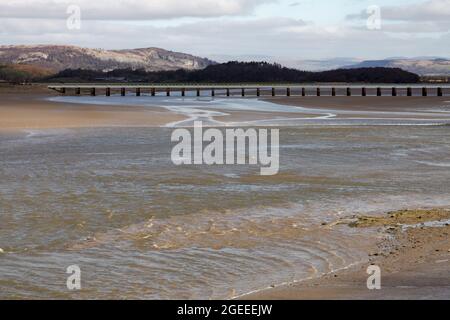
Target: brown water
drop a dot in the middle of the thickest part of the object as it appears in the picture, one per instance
(111, 201)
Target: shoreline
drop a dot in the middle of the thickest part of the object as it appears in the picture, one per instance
(414, 263)
(405, 104)
(30, 109)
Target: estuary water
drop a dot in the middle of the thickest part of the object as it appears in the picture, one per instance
(111, 201)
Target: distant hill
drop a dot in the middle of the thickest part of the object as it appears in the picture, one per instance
(240, 72)
(59, 58)
(422, 66)
(431, 66)
(319, 65)
(299, 64)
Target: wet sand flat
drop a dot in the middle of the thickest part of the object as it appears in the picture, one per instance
(402, 108)
(365, 103)
(28, 109)
(242, 116)
(414, 262)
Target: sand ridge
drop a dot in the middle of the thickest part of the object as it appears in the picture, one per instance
(415, 262)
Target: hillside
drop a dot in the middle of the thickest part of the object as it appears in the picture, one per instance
(423, 66)
(419, 66)
(240, 72)
(59, 58)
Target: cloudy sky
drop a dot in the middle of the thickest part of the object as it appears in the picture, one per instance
(286, 29)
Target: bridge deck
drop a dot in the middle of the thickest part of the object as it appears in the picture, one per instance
(262, 89)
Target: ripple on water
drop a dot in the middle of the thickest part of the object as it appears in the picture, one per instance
(111, 201)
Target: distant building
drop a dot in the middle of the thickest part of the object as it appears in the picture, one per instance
(435, 79)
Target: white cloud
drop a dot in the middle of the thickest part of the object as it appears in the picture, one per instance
(278, 37)
(429, 17)
(249, 35)
(127, 9)
(431, 10)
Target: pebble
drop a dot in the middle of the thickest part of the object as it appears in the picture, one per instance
(2, 251)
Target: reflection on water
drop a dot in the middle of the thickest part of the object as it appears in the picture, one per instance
(212, 112)
(112, 202)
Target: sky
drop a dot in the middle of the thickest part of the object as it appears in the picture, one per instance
(227, 29)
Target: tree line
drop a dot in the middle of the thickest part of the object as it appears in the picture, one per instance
(239, 72)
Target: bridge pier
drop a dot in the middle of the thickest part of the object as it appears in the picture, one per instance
(246, 90)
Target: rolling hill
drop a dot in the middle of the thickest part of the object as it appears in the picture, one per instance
(421, 66)
(57, 58)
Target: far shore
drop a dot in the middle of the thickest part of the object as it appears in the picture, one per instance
(26, 107)
(386, 104)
